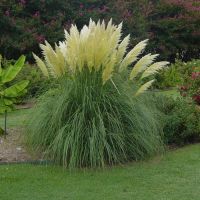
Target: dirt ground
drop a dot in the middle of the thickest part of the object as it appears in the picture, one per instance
(12, 148)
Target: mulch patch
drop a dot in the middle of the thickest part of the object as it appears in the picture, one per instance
(12, 148)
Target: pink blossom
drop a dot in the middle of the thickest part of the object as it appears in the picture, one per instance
(67, 25)
(39, 38)
(189, 5)
(184, 94)
(147, 9)
(36, 14)
(90, 10)
(184, 88)
(196, 98)
(81, 6)
(195, 75)
(103, 9)
(127, 14)
(22, 2)
(7, 13)
(196, 33)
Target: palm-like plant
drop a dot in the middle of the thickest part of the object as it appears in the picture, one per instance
(9, 95)
(93, 118)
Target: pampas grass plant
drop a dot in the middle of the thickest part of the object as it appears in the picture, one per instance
(96, 116)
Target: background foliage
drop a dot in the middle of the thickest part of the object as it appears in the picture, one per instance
(181, 120)
(184, 76)
(172, 26)
(37, 83)
(177, 74)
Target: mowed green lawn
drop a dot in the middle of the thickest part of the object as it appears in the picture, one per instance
(174, 176)
(15, 118)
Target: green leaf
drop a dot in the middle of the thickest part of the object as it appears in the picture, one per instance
(11, 72)
(5, 105)
(7, 102)
(16, 90)
(22, 93)
(2, 103)
(5, 108)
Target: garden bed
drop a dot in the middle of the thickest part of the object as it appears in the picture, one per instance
(12, 148)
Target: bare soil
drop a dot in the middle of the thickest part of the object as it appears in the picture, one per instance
(12, 148)
(26, 105)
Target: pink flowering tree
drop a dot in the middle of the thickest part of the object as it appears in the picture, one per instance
(176, 28)
(171, 25)
(29, 22)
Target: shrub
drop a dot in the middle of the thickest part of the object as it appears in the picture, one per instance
(191, 84)
(177, 74)
(169, 77)
(191, 87)
(181, 120)
(96, 116)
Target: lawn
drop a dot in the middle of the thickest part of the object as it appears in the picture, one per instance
(15, 118)
(173, 176)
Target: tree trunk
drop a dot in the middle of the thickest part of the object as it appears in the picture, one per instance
(5, 123)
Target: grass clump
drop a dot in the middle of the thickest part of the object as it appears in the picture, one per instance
(85, 123)
(99, 114)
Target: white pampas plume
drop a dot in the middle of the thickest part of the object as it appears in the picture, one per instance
(133, 55)
(154, 68)
(142, 64)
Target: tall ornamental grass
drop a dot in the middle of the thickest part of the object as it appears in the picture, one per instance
(96, 115)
